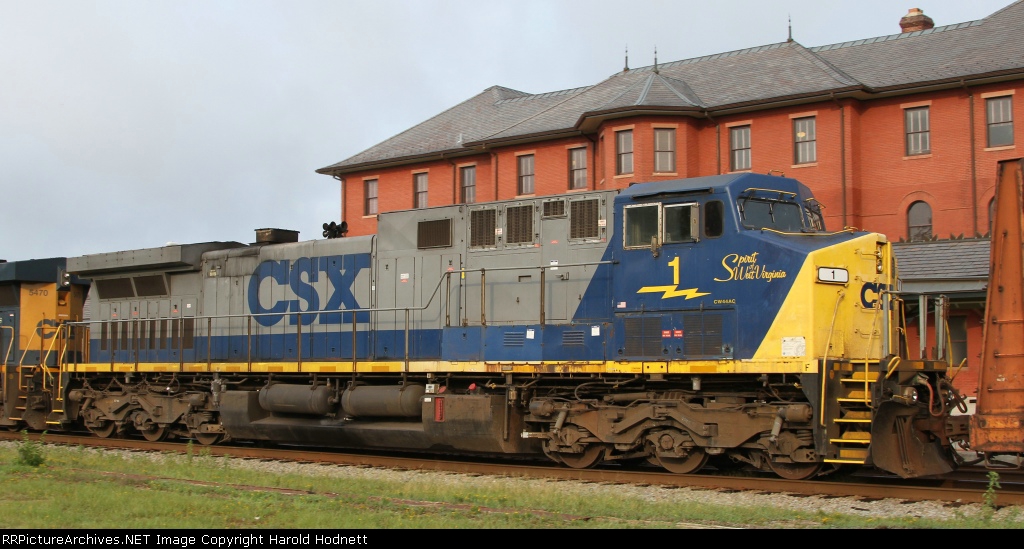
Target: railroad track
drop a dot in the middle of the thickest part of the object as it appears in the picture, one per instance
(968, 485)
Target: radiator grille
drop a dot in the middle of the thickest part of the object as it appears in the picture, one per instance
(434, 234)
(554, 208)
(643, 336)
(115, 288)
(583, 219)
(702, 335)
(481, 227)
(520, 224)
(150, 285)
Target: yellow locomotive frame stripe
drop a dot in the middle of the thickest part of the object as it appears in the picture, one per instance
(799, 366)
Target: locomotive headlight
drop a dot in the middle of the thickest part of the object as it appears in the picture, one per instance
(878, 266)
(910, 394)
(833, 275)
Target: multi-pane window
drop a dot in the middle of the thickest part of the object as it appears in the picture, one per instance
(664, 150)
(525, 174)
(578, 168)
(467, 185)
(641, 225)
(739, 148)
(370, 197)
(419, 184)
(624, 152)
(999, 117)
(918, 131)
(919, 221)
(805, 145)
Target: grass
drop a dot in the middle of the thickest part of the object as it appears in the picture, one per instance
(75, 487)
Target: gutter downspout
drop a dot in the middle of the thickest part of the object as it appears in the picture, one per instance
(455, 189)
(718, 142)
(593, 173)
(974, 160)
(842, 156)
(494, 173)
(341, 180)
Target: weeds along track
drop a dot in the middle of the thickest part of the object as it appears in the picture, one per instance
(968, 485)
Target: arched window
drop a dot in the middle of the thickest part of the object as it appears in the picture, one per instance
(919, 221)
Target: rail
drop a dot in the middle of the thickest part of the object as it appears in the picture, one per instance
(180, 324)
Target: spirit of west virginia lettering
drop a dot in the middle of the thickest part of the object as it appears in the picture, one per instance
(746, 267)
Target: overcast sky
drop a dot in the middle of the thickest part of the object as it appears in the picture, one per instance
(129, 124)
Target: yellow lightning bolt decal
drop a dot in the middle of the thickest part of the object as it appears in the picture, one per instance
(671, 291)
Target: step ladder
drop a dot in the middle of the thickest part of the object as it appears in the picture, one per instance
(850, 431)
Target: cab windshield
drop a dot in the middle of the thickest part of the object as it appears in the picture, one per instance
(771, 214)
(778, 211)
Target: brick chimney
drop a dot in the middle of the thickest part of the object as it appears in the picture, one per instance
(916, 20)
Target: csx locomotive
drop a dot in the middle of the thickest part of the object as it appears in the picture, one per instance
(668, 322)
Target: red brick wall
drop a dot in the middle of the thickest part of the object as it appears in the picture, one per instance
(879, 185)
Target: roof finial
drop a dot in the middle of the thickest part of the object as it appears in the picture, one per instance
(655, 59)
(790, 39)
(626, 68)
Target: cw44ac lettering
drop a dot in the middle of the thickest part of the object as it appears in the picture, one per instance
(297, 277)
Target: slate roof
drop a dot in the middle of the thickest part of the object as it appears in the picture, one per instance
(943, 266)
(715, 83)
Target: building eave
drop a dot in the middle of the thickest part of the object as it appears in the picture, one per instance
(590, 121)
(436, 156)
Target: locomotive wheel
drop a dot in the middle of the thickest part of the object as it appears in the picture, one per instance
(207, 439)
(795, 471)
(589, 457)
(692, 463)
(104, 431)
(553, 456)
(154, 433)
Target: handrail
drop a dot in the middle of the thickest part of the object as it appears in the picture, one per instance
(446, 276)
(7, 356)
(824, 360)
(42, 358)
(24, 353)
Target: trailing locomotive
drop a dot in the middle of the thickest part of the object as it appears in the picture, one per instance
(668, 322)
(36, 298)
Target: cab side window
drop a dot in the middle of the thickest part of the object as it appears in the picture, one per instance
(641, 225)
(681, 223)
(714, 218)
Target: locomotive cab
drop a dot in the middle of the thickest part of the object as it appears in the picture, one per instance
(762, 337)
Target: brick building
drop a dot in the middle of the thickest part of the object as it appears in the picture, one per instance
(898, 134)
